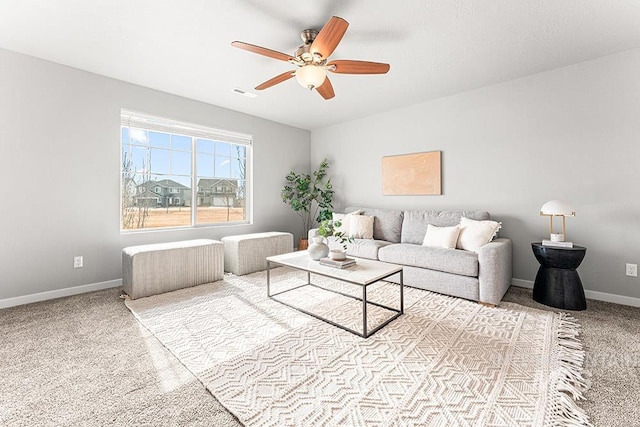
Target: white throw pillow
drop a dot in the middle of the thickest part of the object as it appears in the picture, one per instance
(345, 220)
(441, 237)
(475, 234)
(361, 227)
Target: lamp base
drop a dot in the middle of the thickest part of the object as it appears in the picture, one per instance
(557, 237)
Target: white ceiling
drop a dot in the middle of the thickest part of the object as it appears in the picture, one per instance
(435, 48)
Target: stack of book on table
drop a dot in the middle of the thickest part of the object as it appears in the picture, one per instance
(348, 262)
(557, 244)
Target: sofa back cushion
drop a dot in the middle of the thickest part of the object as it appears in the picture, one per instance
(415, 223)
(387, 224)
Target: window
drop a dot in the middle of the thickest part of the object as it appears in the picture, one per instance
(175, 158)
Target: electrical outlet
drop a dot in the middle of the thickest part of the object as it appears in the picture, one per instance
(77, 262)
(632, 270)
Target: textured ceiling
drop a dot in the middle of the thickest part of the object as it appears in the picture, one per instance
(435, 48)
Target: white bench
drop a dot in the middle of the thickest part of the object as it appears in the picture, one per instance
(163, 267)
(247, 253)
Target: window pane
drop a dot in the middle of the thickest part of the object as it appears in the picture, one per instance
(181, 142)
(204, 146)
(205, 165)
(218, 201)
(158, 139)
(238, 168)
(180, 163)
(138, 136)
(124, 135)
(156, 202)
(223, 149)
(223, 167)
(125, 157)
(241, 198)
(139, 158)
(239, 151)
(159, 161)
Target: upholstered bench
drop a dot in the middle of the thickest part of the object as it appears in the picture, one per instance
(163, 267)
(247, 253)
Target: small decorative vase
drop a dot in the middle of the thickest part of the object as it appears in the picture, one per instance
(338, 255)
(318, 249)
(303, 244)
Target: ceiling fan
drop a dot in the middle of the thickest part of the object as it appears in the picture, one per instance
(312, 59)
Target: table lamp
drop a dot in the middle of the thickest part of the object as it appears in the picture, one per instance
(557, 208)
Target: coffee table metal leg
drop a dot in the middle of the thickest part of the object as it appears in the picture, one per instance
(401, 293)
(364, 312)
(269, 278)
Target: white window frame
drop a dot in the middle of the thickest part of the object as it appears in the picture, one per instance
(132, 119)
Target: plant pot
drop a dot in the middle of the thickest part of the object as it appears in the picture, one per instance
(337, 255)
(303, 244)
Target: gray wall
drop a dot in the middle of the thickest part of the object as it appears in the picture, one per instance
(59, 166)
(571, 133)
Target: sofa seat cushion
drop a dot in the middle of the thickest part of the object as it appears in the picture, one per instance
(453, 261)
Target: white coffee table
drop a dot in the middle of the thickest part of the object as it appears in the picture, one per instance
(363, 274)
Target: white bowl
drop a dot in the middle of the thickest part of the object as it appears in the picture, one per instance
(337, 255)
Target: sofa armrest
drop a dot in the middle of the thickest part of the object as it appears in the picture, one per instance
(495, 270)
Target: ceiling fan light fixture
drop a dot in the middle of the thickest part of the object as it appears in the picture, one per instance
(311, 76)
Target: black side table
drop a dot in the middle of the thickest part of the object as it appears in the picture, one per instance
(557, 282)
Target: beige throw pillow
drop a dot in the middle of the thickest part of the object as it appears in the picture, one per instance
(475, 234)
(441, 237)
(361, 227)
(345, 220)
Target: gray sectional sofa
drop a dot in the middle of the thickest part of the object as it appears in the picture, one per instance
(484, 276)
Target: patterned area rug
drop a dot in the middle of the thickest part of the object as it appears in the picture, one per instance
(446, 361)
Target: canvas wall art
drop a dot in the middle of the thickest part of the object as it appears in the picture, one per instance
(412, 174)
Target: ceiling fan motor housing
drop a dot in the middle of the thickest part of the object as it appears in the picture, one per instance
(303, 52)
(308, 36)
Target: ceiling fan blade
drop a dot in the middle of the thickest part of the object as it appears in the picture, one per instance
(347, 66)
(326, 89)
(277, 79)
(329, 37)
(262, 51)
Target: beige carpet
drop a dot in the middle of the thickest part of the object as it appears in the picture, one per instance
(445, 362)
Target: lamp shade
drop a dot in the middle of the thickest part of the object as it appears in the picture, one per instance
(557, 208)
(311, 76)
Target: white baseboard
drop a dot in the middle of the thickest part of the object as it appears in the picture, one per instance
(599, 296)
(59, 293)
(522, 283)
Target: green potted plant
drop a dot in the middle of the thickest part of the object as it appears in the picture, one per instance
(328, 228)
(309, 196)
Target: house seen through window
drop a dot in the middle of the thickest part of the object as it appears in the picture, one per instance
(176, 174)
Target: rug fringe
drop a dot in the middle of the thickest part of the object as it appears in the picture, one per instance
(570, 382)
